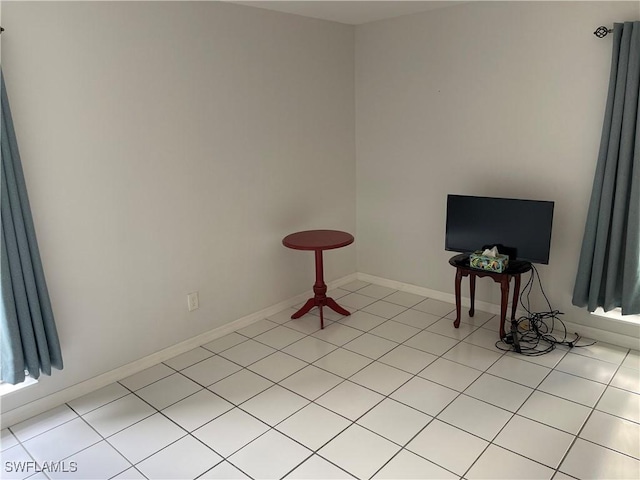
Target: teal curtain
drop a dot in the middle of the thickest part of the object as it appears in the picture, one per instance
(609, 269)
(29, 340)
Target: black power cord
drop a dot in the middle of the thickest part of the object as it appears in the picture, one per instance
(532, 334)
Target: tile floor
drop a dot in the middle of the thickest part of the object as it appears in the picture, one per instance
(393, 391)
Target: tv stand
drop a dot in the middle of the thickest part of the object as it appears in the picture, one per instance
(514, 270)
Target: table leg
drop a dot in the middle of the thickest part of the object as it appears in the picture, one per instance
(320, 288)
(514, 322)
(331, 303)
(516, 293)
(472, 291)
(320, 298)
(504, 288)
(305, 308)
(456, 323)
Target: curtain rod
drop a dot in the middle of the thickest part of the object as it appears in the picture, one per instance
(602, 31)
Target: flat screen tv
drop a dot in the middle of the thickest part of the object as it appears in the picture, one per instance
(521, 228)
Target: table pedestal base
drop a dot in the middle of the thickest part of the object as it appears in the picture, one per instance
(320, 301)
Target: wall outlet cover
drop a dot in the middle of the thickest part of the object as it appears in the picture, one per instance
(192, 301)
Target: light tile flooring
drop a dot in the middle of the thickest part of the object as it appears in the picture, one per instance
(393, 391)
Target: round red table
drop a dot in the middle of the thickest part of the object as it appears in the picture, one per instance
(318, 241)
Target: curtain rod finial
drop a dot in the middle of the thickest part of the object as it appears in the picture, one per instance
(602, 31)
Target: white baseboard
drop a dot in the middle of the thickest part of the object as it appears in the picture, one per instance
(584, 331)
(41, 405)
(604, 336)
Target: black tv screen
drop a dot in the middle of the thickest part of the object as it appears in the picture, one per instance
(521, 227)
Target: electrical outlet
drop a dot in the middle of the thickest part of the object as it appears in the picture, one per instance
(192, 301)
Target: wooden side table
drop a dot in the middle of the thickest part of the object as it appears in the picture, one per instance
(463, 269)
(318, 241)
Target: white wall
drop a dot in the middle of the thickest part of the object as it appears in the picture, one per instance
(168, 148)
(497, 99)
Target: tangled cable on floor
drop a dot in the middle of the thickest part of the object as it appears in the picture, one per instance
(535, 330)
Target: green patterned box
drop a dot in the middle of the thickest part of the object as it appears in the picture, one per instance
(492, 264)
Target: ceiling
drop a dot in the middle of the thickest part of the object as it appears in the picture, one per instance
(348, 11)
